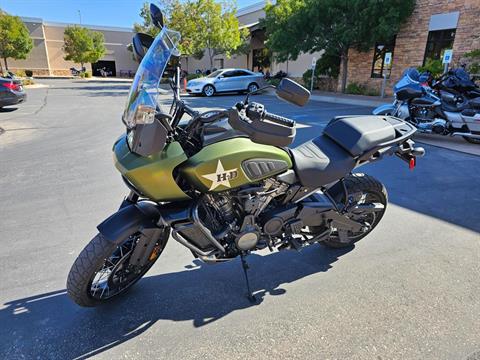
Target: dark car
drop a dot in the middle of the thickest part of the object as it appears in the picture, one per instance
(11, 92)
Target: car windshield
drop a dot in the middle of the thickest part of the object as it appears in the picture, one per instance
(215, 74)
(146, 93)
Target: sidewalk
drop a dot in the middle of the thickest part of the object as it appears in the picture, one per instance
(361, 100)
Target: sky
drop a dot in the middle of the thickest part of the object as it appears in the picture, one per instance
(122, 13)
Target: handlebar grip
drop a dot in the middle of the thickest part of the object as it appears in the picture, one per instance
(278, 119)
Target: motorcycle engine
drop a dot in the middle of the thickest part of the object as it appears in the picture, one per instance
(232, 215)
(425, 119)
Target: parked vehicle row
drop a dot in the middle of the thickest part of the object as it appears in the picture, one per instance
(447, 106)
(11, 92)
(223, 184)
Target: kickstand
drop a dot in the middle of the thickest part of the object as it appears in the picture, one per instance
(250, 296)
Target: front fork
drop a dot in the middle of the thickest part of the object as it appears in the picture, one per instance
(130, 199)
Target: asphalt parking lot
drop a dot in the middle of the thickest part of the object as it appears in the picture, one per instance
(410, 290)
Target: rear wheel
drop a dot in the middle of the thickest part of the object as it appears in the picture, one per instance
(472, 140)
(366, 192)
(103, 271)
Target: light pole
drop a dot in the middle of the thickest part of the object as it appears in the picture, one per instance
(314, 64)
(80, 16)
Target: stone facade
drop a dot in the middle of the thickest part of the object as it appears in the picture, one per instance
(412, 38)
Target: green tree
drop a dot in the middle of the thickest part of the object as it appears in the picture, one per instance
(83, 45)
(15, 41)
(296, 26)
(204, 25)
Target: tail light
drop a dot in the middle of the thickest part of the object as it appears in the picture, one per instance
(12, 86)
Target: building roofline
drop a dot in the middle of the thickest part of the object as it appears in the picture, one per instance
(31, 19)
(251, 8)
(28, 19)
(92, 27)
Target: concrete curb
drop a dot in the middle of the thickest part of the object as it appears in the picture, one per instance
(349, 100)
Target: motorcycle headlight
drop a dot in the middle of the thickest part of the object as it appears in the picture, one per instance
(130, 136)
(144, 114)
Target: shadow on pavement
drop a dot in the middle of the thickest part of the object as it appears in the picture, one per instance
(51, 326)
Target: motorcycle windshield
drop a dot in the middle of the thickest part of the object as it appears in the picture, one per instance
(142, 102)
(409, 77)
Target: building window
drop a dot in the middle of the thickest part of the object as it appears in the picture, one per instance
(437, 42)
(379, 68)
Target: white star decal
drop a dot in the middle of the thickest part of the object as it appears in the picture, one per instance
(221, 176)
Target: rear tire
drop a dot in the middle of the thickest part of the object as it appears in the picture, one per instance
(374, 191)
(472, 140)
(93, 259)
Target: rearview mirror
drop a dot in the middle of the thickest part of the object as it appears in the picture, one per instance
(292, 92)
(156, 16)
(141, 42)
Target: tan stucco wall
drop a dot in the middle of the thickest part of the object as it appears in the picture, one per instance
(47, 56)
(298, 67)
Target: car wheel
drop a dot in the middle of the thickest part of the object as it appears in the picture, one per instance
(208, 90)
(252, 87)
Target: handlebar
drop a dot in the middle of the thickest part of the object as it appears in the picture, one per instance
(278, 119)
(256, 111)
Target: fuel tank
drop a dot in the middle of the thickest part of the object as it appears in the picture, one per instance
(151, 175)
(232, 163)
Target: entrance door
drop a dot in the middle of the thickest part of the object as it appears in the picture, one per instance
(107, 66)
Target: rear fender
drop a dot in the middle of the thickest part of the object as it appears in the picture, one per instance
(128, 220)
(386, 109)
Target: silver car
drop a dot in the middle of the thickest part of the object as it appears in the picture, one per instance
(226, 80)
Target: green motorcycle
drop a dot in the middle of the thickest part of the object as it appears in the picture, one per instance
(223, 183)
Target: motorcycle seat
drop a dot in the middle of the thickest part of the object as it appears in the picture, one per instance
(321, 161)
(359, 134)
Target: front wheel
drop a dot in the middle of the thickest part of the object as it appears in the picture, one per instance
(252, 87)
(367, 193)
(208, 90)
(472, 140)
(103, 270)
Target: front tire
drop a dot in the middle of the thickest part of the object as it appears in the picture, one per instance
(252, 87)
(208, 91)
(362, 189)
(101, 257)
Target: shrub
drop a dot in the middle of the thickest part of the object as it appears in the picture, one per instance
(27, 82)
(88, 74)
(359, 89)
(19, 73)
(193, 76)
(435, 67)
(82, 75)
(355, 89)
(28, 73)
(307, 78)
(273, 81)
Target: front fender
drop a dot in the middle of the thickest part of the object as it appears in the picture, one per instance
(386, 109)
(128, 220)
